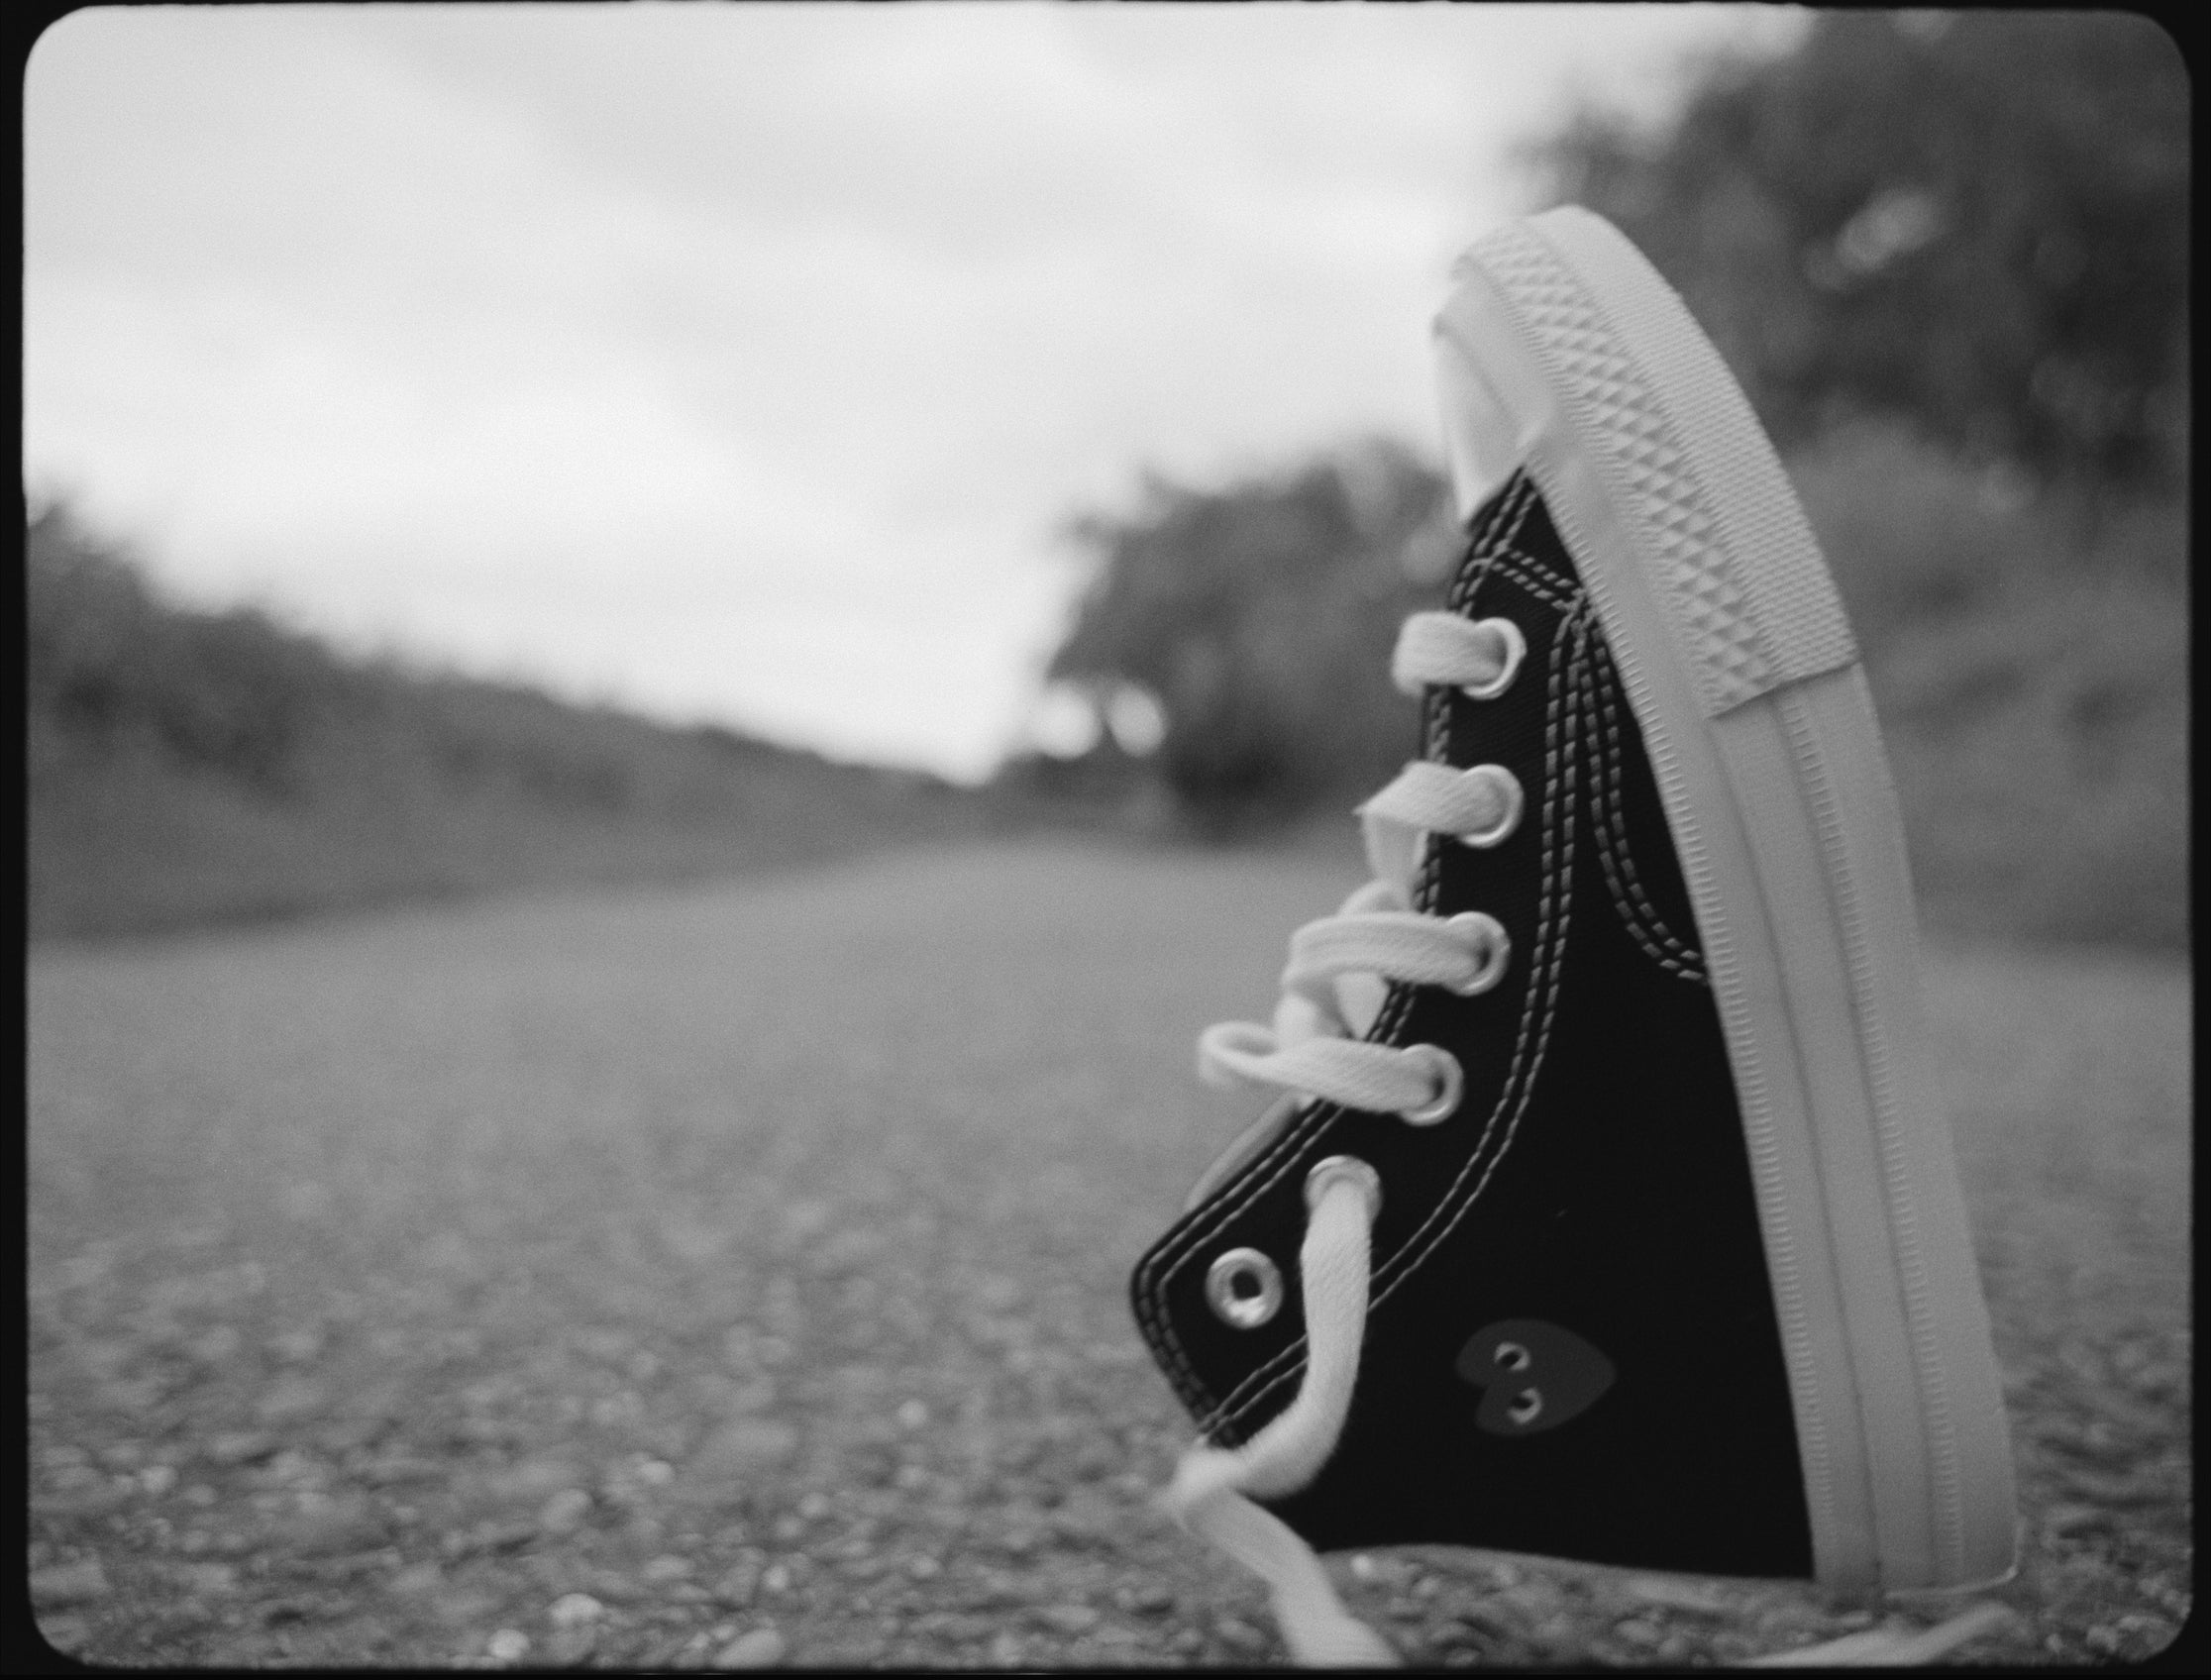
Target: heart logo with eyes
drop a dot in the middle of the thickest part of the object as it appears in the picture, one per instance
(1534, 1376)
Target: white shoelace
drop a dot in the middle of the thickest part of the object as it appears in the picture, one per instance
(1331, 992)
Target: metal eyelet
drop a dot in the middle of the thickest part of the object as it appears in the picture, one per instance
(1244, 1288)
(1492, 950)
(1450, 1086)
(1510, 792)
(1516, 650)
(1342, 1167)
(1527, 1407)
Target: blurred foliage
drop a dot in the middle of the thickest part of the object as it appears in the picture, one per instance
(2031, 679)
(1946, 255)
(2030, 671)
(1974, 220)
(1945, 252)
(109, 669)
(191, 767)
(1258, 615)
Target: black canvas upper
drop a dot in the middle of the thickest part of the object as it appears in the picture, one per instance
(1586, 1216)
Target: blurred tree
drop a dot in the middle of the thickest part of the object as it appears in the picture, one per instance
(185, 767)
(1261, 616)
(107, 664)
(1976, 219)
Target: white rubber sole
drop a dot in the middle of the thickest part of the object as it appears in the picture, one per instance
(1562, 350)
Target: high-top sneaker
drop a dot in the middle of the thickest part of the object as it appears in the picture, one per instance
(1610, 1213)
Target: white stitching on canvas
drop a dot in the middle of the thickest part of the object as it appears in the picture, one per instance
(1495, 529)
(1556, 873)
(1570, 637)
(1499, 527)
(1570, 652)
(1608, 826)
(1518, 501)
(1612, 825)
(1527, 578)
(1495, 532)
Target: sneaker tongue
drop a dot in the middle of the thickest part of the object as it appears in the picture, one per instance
(1358, 999)
(1392, 850)
(1360, 996)
(1298, 1018)
(1392, 857)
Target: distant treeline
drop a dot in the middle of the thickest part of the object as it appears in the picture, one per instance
(1977, 220)
(2029, 660)
(2029, 666)
(1945, 252)
(188, 767)
(1946, 255)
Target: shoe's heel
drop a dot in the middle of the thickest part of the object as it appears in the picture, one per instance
(1565, 352)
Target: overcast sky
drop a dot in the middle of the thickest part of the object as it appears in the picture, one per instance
(742, 362)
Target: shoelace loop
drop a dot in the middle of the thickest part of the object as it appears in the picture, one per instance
(1480, 657)
(1340, 966)
(1332, 991)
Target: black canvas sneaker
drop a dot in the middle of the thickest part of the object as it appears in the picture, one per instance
(1609, 1212)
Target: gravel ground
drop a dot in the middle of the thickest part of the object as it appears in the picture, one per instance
(731, 1276)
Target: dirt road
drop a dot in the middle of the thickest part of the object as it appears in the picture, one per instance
(731, 1275)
